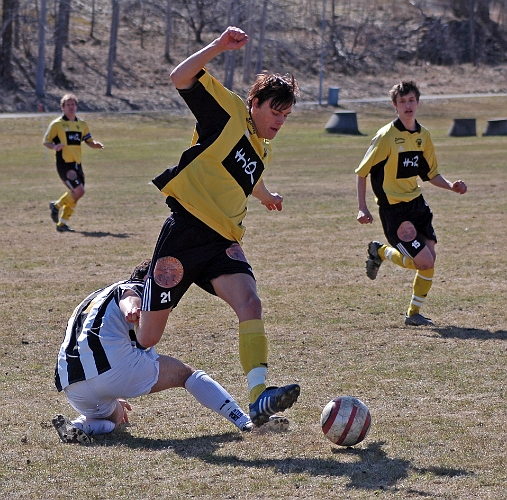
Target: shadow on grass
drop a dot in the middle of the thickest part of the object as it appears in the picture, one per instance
(102, 234)
(470, 333)
(372, 469)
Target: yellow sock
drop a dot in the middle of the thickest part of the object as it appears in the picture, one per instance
(253, 355)
(422, 284)
(66, 213)
(65, 199)
(68, 205)
(389, 253)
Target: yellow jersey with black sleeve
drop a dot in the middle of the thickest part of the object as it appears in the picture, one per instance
(69, 133)
(226, 159)
(395, 158)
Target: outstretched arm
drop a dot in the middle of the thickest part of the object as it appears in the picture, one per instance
(458, 186)
(95, 145)
(184, 75)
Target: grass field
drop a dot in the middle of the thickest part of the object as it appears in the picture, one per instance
(437, 395)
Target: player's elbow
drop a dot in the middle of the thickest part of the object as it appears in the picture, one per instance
(146, 341)
(148, 338)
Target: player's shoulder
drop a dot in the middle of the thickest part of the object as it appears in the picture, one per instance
(80, 121)
(386, 130)
(56, 121)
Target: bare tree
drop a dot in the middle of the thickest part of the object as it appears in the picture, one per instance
(248, 51)
(230, 56)
(9, 9)
(41, 66)
(201, 14)
(262, 34)
(113, 38)
(168, 29)
(92, 21)
(61, 39)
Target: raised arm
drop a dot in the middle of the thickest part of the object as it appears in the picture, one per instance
(184, 75)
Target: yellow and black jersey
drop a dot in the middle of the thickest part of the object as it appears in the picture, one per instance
(70, 134)
(394, 159)
(226, 159)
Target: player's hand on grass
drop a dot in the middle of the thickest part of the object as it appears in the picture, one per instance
(126, 407)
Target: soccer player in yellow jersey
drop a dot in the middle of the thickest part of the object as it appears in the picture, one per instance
(208, 192)
(64, 136)
(399, 153)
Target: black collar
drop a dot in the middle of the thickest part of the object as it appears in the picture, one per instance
(399, 125)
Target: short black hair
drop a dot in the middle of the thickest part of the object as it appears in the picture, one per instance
(140, 271)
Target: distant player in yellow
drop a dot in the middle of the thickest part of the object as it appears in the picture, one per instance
(400, 152)
(64, 135)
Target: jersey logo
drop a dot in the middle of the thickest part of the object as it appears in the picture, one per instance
(244, 164)
(408, 164)
(73, 138)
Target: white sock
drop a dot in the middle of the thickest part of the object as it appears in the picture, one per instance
(93, 425)
(213, 396)
(256, 376)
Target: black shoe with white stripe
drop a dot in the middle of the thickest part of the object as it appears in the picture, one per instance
(273, 400)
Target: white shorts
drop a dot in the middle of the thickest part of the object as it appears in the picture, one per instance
(97, 397)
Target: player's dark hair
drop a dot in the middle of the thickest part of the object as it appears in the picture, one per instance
(140, 271)
(283, 90)
(403, 88)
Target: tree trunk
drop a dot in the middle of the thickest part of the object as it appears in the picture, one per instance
(115, 21)
(41, 66)
(92, 22)
(248, 51)
(230, 55)
(168, 29)
(258, 67)
(61, 39)
(9, 8)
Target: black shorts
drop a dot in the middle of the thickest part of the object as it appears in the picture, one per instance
(188, 251)
(71, 174)
(419, 214)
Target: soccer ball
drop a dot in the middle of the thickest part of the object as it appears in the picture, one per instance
(345, 421)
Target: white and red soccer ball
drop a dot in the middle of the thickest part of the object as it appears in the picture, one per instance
(345, 421)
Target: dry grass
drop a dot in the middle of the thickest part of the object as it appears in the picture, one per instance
(437, 395)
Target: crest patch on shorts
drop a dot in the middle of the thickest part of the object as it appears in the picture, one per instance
(168, 272)
(71, 175)
(407, 231)
(236, 252)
